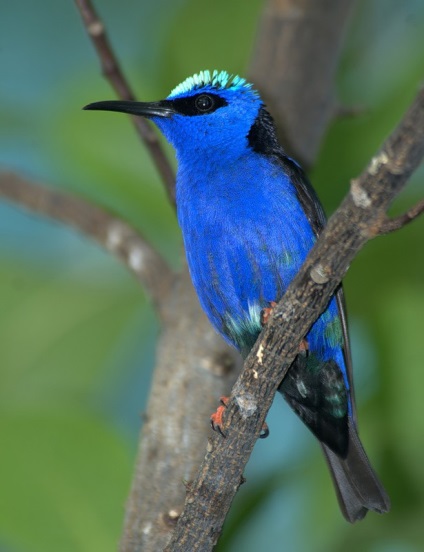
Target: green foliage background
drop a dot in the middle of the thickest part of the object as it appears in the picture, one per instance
(77, 333)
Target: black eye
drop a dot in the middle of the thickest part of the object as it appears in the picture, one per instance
(204, 103)
(200, 104)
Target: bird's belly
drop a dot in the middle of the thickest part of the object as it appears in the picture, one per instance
(238, 269)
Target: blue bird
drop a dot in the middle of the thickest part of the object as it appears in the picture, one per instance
(249, 217)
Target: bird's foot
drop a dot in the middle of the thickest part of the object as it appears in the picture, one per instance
(264, 431)
(304, 347)
(217, 421)
(216, 417)
(266, 312)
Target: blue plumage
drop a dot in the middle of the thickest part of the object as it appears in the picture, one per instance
(249, 217)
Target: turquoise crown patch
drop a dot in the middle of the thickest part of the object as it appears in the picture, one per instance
(216, 79)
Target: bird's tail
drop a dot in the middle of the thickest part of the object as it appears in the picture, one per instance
(357, 486)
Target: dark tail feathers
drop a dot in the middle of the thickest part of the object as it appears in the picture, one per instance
(357, 486)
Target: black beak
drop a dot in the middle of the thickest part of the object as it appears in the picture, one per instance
(145, 109)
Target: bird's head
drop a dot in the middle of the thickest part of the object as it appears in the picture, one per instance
(208, 114)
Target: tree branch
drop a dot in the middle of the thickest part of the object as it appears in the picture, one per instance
(390, 225)
(209, 497)
(111, 232)
(113, 73)
(294, 64)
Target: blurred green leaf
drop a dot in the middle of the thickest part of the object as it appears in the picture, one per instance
(63, 477)
(45, 324)
(401, 319)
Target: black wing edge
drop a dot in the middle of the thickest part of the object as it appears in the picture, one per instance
(263, 139)
(306, 194)
(316, 216)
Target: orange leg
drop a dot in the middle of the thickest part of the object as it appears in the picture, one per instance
(217, 421)
(304, 347)
(266, 312)
(216, 417)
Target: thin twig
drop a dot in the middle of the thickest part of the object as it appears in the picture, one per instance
(391, 224)
(111, 232)
(209, 497)
(113, 73)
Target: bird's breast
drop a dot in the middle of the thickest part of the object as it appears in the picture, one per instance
(245, 236)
